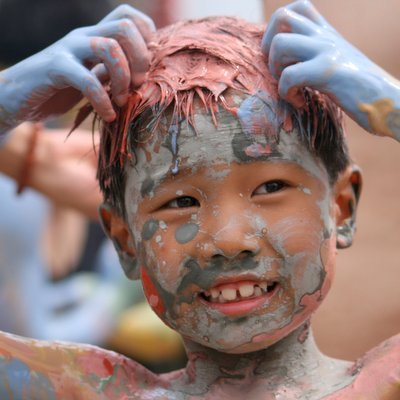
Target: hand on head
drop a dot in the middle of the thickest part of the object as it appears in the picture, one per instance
(304, 50)
(85, 62)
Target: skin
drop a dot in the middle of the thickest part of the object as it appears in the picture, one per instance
(304, 50)
(267, 350)
(196, 242)
(264, 351)
(74, 160)
(285, 234)
(80, 64)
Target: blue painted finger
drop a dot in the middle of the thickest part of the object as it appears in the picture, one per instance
(93, 50)
(143, 22)
(132, 43)
(298, 76)
(79, 77)
(307, 9)
(101, 73)
(290, 48)
(286, 21)
(110, 53)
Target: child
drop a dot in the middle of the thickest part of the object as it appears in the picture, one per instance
(229, 204)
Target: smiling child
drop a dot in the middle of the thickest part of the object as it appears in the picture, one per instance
(229, 203)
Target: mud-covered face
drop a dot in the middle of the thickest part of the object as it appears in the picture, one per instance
(235, 239)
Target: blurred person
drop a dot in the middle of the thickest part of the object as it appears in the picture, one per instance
(62, 273)
(44, 242)
(40, 263)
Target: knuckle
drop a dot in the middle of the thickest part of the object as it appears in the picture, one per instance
(278, 41)
(105, 45)
(111, 43)
(148, 21)
(126, 26)
(62, 59)
(90, 84)
(77, 32)
(282, 13)
(125, 11)
(67, 42)
(306, 3)
(301, 5)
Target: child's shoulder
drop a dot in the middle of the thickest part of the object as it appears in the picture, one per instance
(70, 371)
(376, 374)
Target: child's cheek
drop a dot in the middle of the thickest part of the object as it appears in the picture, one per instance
(151, 293)
(328, 255)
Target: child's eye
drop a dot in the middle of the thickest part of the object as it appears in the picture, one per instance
(270, 187)
(183, 202)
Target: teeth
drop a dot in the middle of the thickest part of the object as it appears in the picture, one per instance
(229, 294)
(246, 290)
(257, 291)
(236, 292)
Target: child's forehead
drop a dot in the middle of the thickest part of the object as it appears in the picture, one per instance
(250, 132)
(236, 120)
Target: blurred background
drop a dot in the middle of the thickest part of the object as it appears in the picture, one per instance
(363, 307)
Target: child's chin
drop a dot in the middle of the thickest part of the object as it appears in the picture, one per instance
(239, 346)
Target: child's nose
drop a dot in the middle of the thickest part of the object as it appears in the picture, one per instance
(231, 238)
(235, 246)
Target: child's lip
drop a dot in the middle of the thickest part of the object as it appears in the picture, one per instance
(250, 295)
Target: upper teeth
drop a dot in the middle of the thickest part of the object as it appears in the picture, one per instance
(234, 291)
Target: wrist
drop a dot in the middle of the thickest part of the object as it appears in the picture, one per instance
(8, 96)
(13, 149)
(382, 108)
(25, 171)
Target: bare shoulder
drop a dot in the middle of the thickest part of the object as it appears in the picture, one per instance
(376, 374)
(32, 369)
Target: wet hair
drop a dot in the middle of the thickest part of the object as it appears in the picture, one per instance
(183, 55)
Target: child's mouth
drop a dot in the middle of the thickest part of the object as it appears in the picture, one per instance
(239, 297)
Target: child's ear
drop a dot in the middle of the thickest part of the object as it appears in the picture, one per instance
(117, 230)
(347, 193)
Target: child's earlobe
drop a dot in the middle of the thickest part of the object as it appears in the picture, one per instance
(117, 230)
(347, 196)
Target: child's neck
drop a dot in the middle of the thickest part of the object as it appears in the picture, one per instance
(294, 362)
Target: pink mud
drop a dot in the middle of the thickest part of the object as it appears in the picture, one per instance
(198, 59)
(310, 301)
(378, 374)
(151, 293)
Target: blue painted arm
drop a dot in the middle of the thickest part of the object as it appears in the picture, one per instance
(80, 64)
(303, 50)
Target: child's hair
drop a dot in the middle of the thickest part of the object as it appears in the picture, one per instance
(185, 57)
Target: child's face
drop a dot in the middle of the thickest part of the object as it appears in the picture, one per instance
(237, 249)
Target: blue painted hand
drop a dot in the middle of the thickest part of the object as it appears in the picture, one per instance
(303, 50)
(112, 54)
